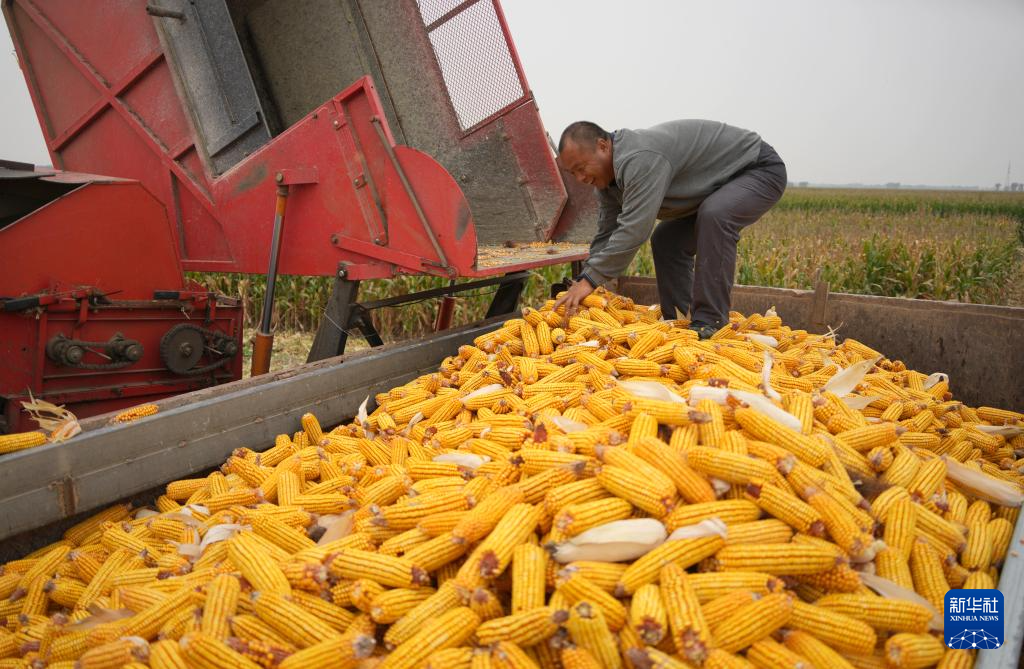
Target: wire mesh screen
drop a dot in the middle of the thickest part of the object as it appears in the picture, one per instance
(474, 58)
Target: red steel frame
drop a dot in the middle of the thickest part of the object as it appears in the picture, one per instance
(110, 106)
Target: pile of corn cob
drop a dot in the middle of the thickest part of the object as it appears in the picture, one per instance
(602, 490)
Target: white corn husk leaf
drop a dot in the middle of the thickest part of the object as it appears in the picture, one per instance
(859, 402)
(651, 390)
(146, 512)
(1008, 431)
(221, 532)
(592, 343)
(463, 459)
(361, 414)
(617, 541)
(198, 508)
(827, 362)
(483, 390)
(890, 590)
(720, 487)
(58, 421)
(412, 421)
(568, 425)
(766, 378)
(763, 339)
(935, 378)
(338, 526)
(771, 313)
(708, 527)
(758, 403)
(191, 551)
(846, 381)
(184, 516)
(983, 486)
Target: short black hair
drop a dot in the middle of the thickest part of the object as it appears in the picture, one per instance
(583, 133)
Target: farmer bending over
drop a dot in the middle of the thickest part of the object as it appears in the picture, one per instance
(704, 180)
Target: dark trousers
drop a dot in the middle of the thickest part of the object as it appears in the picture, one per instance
(708, 239)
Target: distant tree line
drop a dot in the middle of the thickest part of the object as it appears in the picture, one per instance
(1013, 188)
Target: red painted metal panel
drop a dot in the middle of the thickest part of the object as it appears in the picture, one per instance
(110, 106)
(130, 252)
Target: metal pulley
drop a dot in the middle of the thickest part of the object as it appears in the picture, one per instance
(184, 345)
(118, 350)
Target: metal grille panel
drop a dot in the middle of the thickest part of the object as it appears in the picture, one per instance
(476, 63)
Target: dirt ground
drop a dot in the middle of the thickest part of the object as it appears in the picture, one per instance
(290, 349)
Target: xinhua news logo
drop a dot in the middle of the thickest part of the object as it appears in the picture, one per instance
(974, 619)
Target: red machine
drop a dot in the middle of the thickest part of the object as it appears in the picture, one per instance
(359, 139)
(77, 325)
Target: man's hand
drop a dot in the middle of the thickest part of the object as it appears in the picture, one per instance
(572, 297)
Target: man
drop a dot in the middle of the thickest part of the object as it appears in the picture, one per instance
(704, 180)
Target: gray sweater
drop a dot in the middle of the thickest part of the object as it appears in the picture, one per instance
(663, 172)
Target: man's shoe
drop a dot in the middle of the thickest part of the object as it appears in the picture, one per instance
(703, 330)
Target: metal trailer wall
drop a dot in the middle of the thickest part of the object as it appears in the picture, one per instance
(981, 347)
(46, 489)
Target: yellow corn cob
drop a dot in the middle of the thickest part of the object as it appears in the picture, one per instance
(999, 532)
(780, 559)
(529, 565)
(692, 486)
(292, 621)
(449, 630)
(397, 572)
(139, 411)
(445, 599)
(771, 654)
(730, 512)
(817, 652)
(927, 573)
(589, 630)
(848, 635)
(753, 621)
(900, 526)
(577, 588)
(166, 654)
(525, 629)
(729, 467)
(647, 614)
(977, 553)
(882, 614)
(690, 632)
(257, 565)
(636, 489)
(682, 552)
(115, 654)
(492, 555)
(605, 575)
(204, 652)
(913, 651)
(451, 658)
(808, 449)
(483, 518)
(221, 602)
(18, 441)
(787, 507)
(577, 518)
(576, 657)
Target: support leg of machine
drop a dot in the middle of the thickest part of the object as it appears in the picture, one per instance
(332, 333)
(506, 299)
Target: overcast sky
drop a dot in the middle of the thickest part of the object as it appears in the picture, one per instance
(916, 91)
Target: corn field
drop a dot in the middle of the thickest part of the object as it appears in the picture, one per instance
(940, 245)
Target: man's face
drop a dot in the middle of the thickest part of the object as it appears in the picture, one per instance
(590, 165)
